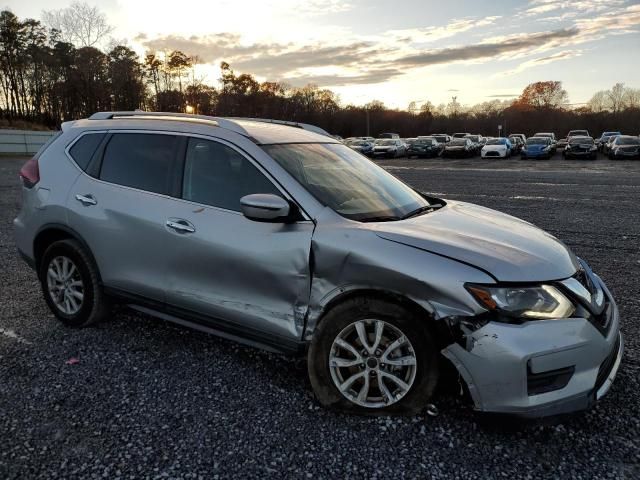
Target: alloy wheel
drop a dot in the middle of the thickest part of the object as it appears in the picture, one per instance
(65, 285)
(372, 363)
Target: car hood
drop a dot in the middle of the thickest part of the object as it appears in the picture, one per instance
(536, 147)
(494, 147)
(508, 248)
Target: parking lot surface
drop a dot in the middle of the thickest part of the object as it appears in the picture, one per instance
(144, 398)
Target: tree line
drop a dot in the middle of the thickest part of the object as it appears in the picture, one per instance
(49, 74)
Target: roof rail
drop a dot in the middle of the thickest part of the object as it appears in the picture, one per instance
(229, 123)
(188, 117)
(304, 126)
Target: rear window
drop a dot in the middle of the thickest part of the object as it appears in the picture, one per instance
(84, 148)
(139, 160)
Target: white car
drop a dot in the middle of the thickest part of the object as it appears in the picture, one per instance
(496, 148)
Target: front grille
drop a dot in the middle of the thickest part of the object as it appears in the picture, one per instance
(492, 154)
(607, 364)
(549, 381)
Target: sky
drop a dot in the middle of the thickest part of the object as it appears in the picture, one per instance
(398, 51)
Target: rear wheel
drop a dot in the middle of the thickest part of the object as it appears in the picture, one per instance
(70, 284)
(371, 356)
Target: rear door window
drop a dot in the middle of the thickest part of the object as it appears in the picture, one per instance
(85, 147)
(140, 160)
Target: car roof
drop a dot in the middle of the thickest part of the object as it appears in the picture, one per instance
(258, 130)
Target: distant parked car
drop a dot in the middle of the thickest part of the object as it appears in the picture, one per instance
(624, 146)
(362, 146)
(459, 147)
(604, 138)
(563, 142)
(606, 148)
(460, 135)
(537, 147)
(516, 144)
(581, 147)
(578, 133)
(522, 136)
(389, 135)
(389, 147)
(423, 147)
(442, 138)
(477, 142)
(552, 136)
(497, 148)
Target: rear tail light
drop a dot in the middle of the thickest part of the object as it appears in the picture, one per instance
(30, 173)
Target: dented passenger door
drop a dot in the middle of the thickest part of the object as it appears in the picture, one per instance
(252, 276)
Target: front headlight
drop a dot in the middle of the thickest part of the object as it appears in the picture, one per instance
(538, 302)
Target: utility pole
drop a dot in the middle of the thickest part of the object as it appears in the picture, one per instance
(368, 123)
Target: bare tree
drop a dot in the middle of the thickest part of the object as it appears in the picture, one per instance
(616, 97)
(80, 23)
(599, 102)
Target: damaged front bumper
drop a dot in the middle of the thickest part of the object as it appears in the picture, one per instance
(539, 368)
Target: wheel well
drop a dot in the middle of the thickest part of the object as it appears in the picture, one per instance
(439, 329)
(44, 239)
(55, 233)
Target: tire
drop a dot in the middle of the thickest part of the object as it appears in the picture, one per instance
(423, 376)
(93, 306)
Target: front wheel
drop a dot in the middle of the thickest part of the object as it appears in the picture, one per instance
(371, 356)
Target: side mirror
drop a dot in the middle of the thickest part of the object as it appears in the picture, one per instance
(265, 207)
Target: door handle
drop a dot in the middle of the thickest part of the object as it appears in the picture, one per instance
(180, 225)
(86, 200)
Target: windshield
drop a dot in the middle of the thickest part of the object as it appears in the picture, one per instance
(542, 135)
(458, 143)
(578, 133)
(537, 141)
(421, 141)
(473, 138)
(385, 142)
(628, 141)
(440, 138)
(496, 141)
(346, 182)
(359, 143)
(581, 140)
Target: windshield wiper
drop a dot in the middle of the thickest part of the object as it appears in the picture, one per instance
(424, 209)
(381, 218)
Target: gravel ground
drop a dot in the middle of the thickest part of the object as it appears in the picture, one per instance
(148, 399)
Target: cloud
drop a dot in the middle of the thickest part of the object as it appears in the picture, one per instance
(214, 47)
(504, 95)
(338, 80)
(370, 60)
(516, 43)
(313, 56)
(432, 34)
(536, 62)
(539, 7)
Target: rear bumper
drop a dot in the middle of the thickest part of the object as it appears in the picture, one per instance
(500, 360)
(583, 154)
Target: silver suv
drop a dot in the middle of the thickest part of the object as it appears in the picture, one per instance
(276, 235)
